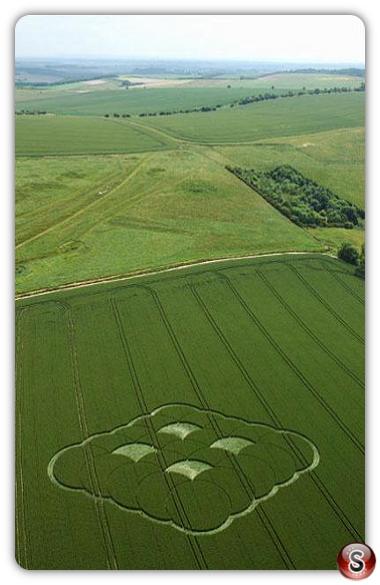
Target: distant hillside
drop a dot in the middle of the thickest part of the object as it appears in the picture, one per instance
(356, 72)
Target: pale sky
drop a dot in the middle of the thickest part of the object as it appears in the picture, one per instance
(304, 38)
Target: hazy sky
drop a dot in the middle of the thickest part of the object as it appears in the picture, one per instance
(286, 38)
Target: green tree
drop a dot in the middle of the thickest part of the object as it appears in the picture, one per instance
(360, 271)
(348, 253)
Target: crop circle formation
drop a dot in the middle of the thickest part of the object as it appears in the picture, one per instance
(197, 470)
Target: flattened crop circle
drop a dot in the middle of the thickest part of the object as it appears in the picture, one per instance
(195, 469)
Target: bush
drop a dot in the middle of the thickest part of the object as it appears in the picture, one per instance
(348, 253)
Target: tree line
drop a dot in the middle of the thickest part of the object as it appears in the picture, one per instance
(289, 94)
(301, 199)
(30, 112)
(244, 101)
(168, 113)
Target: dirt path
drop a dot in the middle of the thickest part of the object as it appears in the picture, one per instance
(118, 278)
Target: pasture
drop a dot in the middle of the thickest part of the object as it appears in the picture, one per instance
(335, 159)
(132, 453)
(82, 218)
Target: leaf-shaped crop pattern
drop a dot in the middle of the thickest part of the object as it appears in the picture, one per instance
(194, 469)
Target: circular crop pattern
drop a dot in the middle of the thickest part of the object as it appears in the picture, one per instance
(194, 469)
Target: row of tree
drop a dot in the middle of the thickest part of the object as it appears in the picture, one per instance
(30, 112)
(243, 101)
(289, 94)
(167, 113)
(116, 115)
(351, 71)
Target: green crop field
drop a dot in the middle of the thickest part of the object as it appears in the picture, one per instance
(282, 117)
(55, 135)
(134, 453)
(83, 98)
(132, 101)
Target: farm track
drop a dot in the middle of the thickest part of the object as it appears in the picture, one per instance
(20, 517)
(98, 502)
(305, 382)
(145, 130)
(276, 421)
(266, 522)
(42, 210)
(192, 540)
(307, 329)
(121, 278)
(326, 305)
(89, 205)
(155, 131)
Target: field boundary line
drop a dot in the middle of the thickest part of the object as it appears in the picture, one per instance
(325, 304)
(145, 129)
(272, 415)
(180, 266)
(192, 541)
(154, 130)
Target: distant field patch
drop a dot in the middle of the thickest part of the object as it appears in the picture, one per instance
(263, 120)
(307, 81)
(53, 136)
(134, 100)
(95, 82)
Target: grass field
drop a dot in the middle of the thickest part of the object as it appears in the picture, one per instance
(85, 217)
(134, 453)
(154, 210)
(335, 158)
